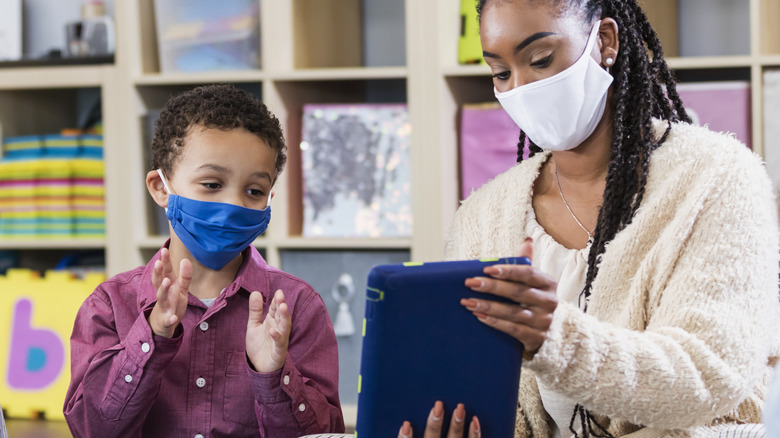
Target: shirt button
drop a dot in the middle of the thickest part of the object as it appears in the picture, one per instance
(201, 382)
(204, 326)
(128, 378)
(286, 380)
(301, 407)
(145, 347)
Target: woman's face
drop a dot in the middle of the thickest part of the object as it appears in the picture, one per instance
(524, 41)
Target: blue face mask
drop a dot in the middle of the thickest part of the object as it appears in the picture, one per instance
(214, 232)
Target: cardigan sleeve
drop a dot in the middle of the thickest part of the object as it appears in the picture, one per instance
(710, 326)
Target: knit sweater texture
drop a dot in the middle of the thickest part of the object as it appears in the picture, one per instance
(681, 332)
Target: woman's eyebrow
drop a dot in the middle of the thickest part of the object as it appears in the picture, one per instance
(522, 45)
(531, 39)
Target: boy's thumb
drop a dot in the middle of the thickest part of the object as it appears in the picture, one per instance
(255, 308)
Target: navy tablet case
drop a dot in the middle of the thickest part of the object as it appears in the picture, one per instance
(420, 345)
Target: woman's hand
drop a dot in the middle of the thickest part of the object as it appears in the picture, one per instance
(434, 425)
(534, 298)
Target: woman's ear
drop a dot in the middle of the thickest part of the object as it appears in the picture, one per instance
(156, 188)
(609, 43)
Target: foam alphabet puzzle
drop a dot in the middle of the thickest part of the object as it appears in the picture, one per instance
(36, 315)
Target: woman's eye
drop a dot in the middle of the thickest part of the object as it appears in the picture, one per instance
(502, 76)
(542, 63)
(212, 185)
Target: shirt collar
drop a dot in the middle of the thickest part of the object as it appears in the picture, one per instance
(251, 276)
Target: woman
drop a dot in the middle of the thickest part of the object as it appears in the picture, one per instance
(652, 306)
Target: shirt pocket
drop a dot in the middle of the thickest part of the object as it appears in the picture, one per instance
(239, 400)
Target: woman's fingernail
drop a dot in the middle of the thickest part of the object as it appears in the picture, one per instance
(469, 304)
(460, 413)
(406, 430)
(475, 424)
(438, 411)
(475, 283)
(495, 271)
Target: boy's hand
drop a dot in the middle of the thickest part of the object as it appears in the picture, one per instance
(266, 341)
(172, 294)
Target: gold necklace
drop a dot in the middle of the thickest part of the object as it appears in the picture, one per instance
(590, 235)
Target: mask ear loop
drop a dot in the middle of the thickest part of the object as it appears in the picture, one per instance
(165, 184)
(164, 181)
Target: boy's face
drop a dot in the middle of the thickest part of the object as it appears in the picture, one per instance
(234, 167)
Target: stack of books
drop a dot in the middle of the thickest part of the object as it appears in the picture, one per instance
(51, 186)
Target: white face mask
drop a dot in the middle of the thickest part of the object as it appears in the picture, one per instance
(560, 112)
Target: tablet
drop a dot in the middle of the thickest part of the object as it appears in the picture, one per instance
(420, 345)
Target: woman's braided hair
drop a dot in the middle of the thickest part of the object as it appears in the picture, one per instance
(644, 88)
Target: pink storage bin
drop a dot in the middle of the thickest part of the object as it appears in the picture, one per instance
(488, 145)
(722, 106)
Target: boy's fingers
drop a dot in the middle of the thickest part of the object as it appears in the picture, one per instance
(185, 276)
(275, 304)
(162, 292)
(285, 321)
(165, 258)
(255, 309)
(157, 274)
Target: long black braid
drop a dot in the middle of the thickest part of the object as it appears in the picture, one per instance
(644, 88)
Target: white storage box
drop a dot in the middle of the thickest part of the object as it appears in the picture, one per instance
(205, 35)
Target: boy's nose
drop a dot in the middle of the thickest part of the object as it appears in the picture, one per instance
(237, 199)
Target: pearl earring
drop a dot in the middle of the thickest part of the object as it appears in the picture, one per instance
(610, 61)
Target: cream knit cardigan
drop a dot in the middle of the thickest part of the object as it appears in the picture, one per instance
(682, 326)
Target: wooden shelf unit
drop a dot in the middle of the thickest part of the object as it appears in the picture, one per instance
(432, 83)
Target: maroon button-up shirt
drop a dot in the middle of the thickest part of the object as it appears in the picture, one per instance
(128, 382)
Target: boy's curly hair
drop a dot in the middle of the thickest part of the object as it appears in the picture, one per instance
(220, 106)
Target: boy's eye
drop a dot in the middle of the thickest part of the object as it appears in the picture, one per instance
(542, 63)
(255, 192)
(502, 76)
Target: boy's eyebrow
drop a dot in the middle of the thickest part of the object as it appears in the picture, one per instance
(265, 175)
(222, 169)
(215, 167)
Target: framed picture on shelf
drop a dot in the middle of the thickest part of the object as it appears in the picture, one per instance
(356, 171)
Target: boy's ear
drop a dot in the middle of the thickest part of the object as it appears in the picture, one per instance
(156, 188)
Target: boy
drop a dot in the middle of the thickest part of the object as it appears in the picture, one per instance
(197, 343)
